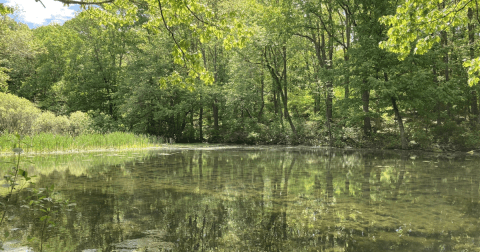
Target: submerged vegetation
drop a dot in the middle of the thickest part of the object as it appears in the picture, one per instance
(323, 72)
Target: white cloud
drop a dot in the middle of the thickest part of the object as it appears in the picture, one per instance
(34, 13)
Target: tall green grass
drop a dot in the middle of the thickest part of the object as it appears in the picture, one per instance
(49, 142)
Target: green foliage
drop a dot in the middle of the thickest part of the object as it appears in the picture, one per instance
(3, 79)
(271, 72)
(17, 114)
(5, 9)
(426, 20)
(79, 123)
(103, 123)
(48, 122)
(21, 116)
(18, 49)
(49, 142)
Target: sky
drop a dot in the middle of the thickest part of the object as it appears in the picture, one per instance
(34, 14)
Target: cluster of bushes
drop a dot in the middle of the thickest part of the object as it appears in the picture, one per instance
(23, 117)
(44, 131)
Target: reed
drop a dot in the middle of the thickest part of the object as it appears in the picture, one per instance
(49, 142)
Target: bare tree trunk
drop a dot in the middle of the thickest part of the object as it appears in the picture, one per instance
(284, 96)
(215, 114)
(262, 82)
(399, 119)
(346, 56)
(444, 42)
(329, 85)
(400, 124)
(200, 120)
(475, 118)
(275, 106)
(367, 126)
(278, 79)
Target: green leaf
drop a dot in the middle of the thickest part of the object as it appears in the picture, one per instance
(22, 173)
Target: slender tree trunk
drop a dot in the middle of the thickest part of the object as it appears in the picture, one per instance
(275, 105)
(278, 80)
(284, 96)
(215, 114)
(262, 105)
(329, 85)
(444, 42)
(444, 39)
(399, 119)
(400, 124)
(475, 118)
(346, 56)
(200, 120)
(438, 106)
(367, 126)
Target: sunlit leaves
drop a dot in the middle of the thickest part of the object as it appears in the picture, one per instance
(121, 13)
(473, 67)
(417, 24)
(182, 20)
(5, 9)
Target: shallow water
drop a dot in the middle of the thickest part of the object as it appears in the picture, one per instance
(252, 199)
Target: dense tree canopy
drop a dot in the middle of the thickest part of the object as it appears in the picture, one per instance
(396, 74)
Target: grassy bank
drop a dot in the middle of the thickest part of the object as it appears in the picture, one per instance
(49, 142)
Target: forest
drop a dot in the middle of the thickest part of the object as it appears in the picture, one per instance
(345, 73)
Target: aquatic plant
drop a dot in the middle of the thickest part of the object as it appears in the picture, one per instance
(49, 142)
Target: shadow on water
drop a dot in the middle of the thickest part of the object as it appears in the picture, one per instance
(269, 199)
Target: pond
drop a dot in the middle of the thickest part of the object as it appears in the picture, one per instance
(248, 199)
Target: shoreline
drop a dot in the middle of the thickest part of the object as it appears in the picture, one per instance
(216, 146)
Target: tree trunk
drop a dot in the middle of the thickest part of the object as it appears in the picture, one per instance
(275, 105)
(367, 126)
(444, 42)
(262, 105)
(284, 95)
(215, 114)
(475, 118)
(400, 124)
(329, 85)
(278, 80)
(346, 56)
(200, 120)
(399, 119)
(438, 106)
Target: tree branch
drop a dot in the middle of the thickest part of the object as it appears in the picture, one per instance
(82, 2)
(195, 15)
(305, 36)
(171, 32)
(326, 29)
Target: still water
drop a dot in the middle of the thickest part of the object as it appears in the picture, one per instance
(248, 199)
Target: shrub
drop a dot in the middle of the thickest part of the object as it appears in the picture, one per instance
(79, 123)
(17, 114)
(48, 122)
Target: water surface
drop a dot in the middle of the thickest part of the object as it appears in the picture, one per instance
(252, 199)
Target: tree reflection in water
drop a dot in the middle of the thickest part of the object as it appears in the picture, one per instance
(275, 199)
